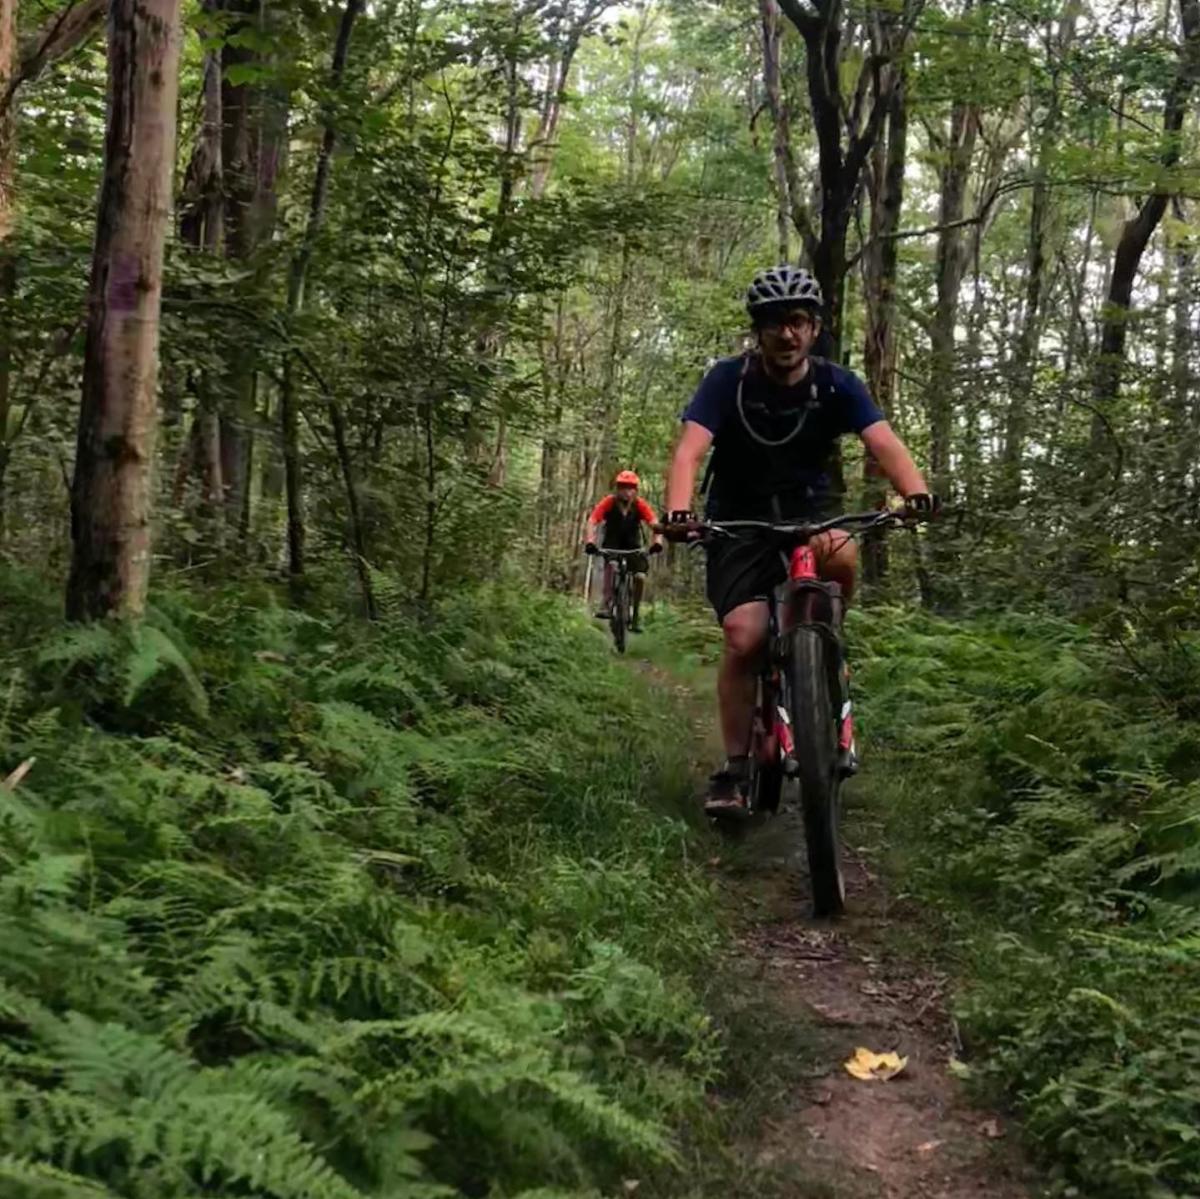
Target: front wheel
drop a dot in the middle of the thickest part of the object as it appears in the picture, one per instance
(620, 605)
(814, 726)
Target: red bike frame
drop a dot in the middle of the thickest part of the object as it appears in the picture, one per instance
(795, 605)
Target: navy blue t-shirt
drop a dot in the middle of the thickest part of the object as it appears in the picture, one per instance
(772, 456)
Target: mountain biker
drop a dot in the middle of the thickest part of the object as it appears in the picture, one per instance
(773, 417)
(622, 515)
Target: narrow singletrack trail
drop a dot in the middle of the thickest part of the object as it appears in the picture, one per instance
(826, 988)
(858, 982)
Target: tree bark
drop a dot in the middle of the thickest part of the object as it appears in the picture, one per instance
(842, 159)
(201, 226)
(61, 34)
(8, 54)
(781, 133)
(253, 149)
(959, 150)
(886, 183)
(111, 495)
(289, 400)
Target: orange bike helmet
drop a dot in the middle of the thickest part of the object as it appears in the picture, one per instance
(627, 478)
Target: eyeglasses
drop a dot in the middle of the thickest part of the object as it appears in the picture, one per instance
(796, 322)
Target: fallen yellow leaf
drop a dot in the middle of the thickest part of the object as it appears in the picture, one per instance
(875, 1067)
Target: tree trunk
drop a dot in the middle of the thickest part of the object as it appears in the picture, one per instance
(781, 133)
(289, 400)
(1182, 417)
(357, 536)
(61, 34)
(111, 495)
(1135, 236)
(253, 148)
(886, 181)
(201, 226)
(8, 64)
(959, 150)
(843, 145)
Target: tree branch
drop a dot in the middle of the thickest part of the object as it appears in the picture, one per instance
(806, 19)
(64, 32)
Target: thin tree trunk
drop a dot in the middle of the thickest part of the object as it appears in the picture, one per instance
(253, 148)
(951, 267)
(63, 32)
(8, 63)
(201, 226)
(357, 535)
(1182, 417)
(781, 133)
(1135, 236)
(289, 400)
(879, 286)
(111, 495)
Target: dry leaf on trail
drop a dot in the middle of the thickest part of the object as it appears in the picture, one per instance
(875, 1067)
(928, 1146)
(991, 1128)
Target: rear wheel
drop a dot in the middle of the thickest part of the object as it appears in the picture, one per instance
(619, 609)
(814, 726)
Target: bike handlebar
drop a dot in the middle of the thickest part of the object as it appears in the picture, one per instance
(702, 529)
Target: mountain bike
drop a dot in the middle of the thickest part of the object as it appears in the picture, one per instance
(802, 726)
(621, 617)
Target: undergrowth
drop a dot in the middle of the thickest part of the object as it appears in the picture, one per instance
(299, 909)
(1041, 788)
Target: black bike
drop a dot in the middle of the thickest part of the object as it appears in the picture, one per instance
(802, 725)
(621, 614)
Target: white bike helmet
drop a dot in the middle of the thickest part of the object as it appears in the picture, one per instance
(783, 286)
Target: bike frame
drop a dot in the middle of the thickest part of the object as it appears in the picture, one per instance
(805, 599)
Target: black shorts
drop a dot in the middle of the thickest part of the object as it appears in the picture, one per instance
(741, 570)
(639, 564)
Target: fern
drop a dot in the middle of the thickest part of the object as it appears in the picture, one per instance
(151, 651)
(25, 1179)
(270, 947)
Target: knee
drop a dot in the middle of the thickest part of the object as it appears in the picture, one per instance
(745, 634)
(837, 550)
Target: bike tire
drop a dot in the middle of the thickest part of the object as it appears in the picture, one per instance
(617, 620)
(766, 781)
(814, 727)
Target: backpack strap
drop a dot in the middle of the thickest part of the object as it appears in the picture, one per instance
(744, 370)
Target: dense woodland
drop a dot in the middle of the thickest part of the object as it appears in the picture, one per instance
(432, 271)
(322, 327)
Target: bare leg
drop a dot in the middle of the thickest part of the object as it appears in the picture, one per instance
(745, 637)
(837, 560)
(639, 586)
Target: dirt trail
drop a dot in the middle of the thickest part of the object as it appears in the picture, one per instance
(913, 1137)
(863, 980)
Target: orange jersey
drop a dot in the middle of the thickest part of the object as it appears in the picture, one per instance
(622, 530)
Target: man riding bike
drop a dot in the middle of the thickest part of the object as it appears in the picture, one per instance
(773, 417)
(622, 515)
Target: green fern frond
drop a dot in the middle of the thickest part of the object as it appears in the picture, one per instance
(150, 652)
(25, 1179)
(78, 643)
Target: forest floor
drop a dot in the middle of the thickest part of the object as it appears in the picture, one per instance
(816, 991)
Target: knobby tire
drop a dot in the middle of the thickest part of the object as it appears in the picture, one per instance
(620, 600)
(814, 726)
